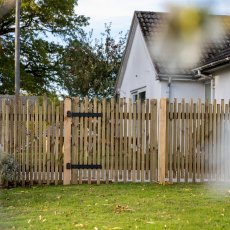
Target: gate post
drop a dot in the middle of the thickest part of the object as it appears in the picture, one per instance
(162, 148)
(67, 141)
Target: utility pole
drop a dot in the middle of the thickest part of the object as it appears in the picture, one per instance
(17, 74)
(17, 49)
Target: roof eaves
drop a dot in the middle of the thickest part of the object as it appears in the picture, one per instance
(214, 64)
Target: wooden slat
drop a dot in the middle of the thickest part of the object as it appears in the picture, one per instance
(107, 142)
(99, 144)
(112, 139)
(138, 138)
(32, 129)
(57, 141)
(178, 153)
(36, 139)
(142, 142)
(162, 151)
(90, 146)
(130, 139)
(206, 138)
(194, 144)
(121, 139)
(44, 150)
(116, 141)
(3, 124)
(202, 140)
(81, 154)
(182, 137)
(40, 146)
(95, 136)
(222, 158)
(23, 143)
(218, 159)
(20, 134)
(11, 121)
(198, 138)
(228, 141)
(175, 138)
(61, 142)
(155, 150)
(187, 140)
(134, 132)
(190, 138)
(85, 137)
(48, 144)
(226, 137)
(103, 138)
(15, 129)
(67, 141)
(147, 141)
(214, 149)
(171, 142)
(125, 141)
(210, 140)
(52, 146)
(7, 128)
(75, 153)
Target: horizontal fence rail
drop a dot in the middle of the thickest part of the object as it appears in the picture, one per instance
(101, 141)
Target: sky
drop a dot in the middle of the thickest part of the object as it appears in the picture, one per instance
(120, 12)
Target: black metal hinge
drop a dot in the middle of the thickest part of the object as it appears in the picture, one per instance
(70, 114)
(72, 166)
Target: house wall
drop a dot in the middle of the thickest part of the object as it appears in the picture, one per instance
(222, 84)
(186, 90)
(140, 73)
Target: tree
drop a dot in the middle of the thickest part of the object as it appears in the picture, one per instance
(91, 66)
(42, 22)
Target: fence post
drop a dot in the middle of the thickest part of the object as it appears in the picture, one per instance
(67, 141)
(162, 148)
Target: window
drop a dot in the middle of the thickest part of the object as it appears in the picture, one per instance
(139, 95)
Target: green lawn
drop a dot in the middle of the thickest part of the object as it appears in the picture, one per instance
(116, 206)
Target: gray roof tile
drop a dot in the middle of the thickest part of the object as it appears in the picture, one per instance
(152, 23)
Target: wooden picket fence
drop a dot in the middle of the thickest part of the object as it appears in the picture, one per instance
(110, 141)
(198, 146)
(32, 131)
(93, 141)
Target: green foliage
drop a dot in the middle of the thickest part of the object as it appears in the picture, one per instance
(9, 169)
(42, 21)
(91, 66)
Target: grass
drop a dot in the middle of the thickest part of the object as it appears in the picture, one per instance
(116, 206)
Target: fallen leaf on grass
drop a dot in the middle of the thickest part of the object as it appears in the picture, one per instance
(120, 208)
(150, 222)
(116, 228)
(78, 225)
(29, 221)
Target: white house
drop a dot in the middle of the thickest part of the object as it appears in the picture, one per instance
(145, 76)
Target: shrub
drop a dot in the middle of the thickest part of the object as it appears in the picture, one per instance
(9, 169)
